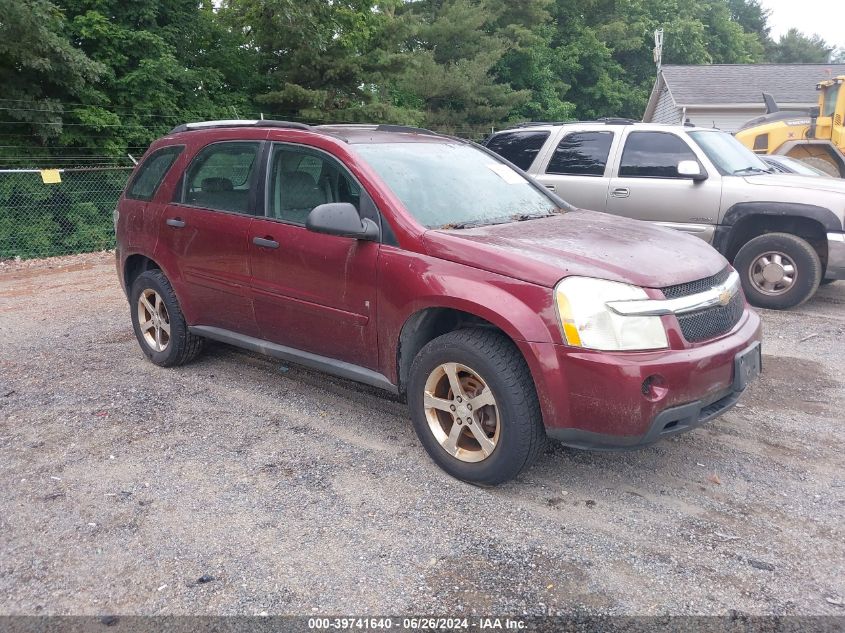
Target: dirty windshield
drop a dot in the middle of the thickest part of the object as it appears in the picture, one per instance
(452, 185)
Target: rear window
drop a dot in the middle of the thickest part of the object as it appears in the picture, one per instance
(520, 148)
(152, 172)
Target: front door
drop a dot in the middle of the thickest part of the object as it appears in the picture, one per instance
(313, 292)
(647, 186)
(207, 231)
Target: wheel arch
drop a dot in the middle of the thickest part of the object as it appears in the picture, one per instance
(428, 322)
(747, 220)
(134, 265)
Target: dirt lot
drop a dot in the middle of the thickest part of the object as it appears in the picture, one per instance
(293, 492)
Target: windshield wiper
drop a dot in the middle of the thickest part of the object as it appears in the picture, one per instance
(751, 170)
(521, 217)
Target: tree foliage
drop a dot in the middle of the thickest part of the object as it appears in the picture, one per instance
(107, 76)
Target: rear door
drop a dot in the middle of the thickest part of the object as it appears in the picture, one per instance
(206, 229)
(135, 217)
(646, 184)
(313, 292)
(578, 169)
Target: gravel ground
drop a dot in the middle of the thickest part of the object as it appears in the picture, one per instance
(288, 491)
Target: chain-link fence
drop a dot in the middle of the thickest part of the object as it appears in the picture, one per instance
(46, 212)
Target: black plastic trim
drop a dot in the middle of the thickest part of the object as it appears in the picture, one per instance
(687, 417)
(306, 359)
(825, 217)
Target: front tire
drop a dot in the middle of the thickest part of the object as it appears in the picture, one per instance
(158, 321)
(778, 270)
(474, 406)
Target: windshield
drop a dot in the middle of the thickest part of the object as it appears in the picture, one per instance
(450, 185)
(728, 154)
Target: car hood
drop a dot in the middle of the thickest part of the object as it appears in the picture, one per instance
(585, 243)
(836, 185)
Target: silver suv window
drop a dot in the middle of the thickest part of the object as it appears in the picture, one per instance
(653, 155)
(581, 154)
(520, 148)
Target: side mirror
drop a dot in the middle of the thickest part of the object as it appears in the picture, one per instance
(692, 170)
(342, 219)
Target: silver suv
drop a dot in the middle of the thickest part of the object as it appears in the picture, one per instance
(783, 233)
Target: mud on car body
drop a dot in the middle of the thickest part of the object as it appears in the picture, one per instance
(427, 266)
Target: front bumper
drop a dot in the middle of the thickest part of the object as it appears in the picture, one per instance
(835, 256)
(596, 400)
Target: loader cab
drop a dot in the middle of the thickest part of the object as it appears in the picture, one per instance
(831, 109)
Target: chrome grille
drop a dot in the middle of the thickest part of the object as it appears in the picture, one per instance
(694, 287)
(710, 322)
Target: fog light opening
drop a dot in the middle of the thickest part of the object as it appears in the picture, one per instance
(654, 388)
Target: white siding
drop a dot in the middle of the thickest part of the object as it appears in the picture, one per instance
(665, 111)
(728, 120)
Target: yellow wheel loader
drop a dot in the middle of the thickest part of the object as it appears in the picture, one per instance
(817, 138)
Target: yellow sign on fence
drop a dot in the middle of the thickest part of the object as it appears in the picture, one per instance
(51, 176)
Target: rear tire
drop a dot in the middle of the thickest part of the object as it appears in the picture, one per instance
(158, 321)
(491, 372)
(778, 270)
(827, 166)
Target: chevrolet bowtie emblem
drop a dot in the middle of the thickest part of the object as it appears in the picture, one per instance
(725, 297)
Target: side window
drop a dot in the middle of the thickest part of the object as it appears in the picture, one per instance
(221, 175)
(520, 148)
(653, 155)
(301, 179)
(581, 154)
(152, 172)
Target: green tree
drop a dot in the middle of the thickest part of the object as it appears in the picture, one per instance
(166, 61)
(321, 61)
(795, 47)
(40, 68)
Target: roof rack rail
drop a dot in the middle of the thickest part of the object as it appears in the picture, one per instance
(605, 120)
(538, 123)
(386, 127)
(616, 121)
(206, 125)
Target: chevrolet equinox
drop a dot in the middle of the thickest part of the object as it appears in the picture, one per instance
(428, 266)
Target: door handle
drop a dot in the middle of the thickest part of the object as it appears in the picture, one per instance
(552, 187)
(621, 192)
(176, 223)
(266, 242)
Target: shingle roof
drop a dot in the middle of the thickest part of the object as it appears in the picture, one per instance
(745, 83)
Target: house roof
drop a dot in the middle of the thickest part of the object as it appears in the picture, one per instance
(723, 84)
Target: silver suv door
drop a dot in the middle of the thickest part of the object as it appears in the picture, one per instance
(646, 184)
(577, 168)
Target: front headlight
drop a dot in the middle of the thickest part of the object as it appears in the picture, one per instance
(588, 322)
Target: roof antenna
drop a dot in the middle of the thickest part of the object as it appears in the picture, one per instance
(658, 48)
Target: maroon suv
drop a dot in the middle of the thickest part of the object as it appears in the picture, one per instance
(428, 266)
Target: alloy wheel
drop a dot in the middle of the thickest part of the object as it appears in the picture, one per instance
(461, 412)
(153, 320)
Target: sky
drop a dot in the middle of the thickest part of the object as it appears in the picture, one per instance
(808, 16)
